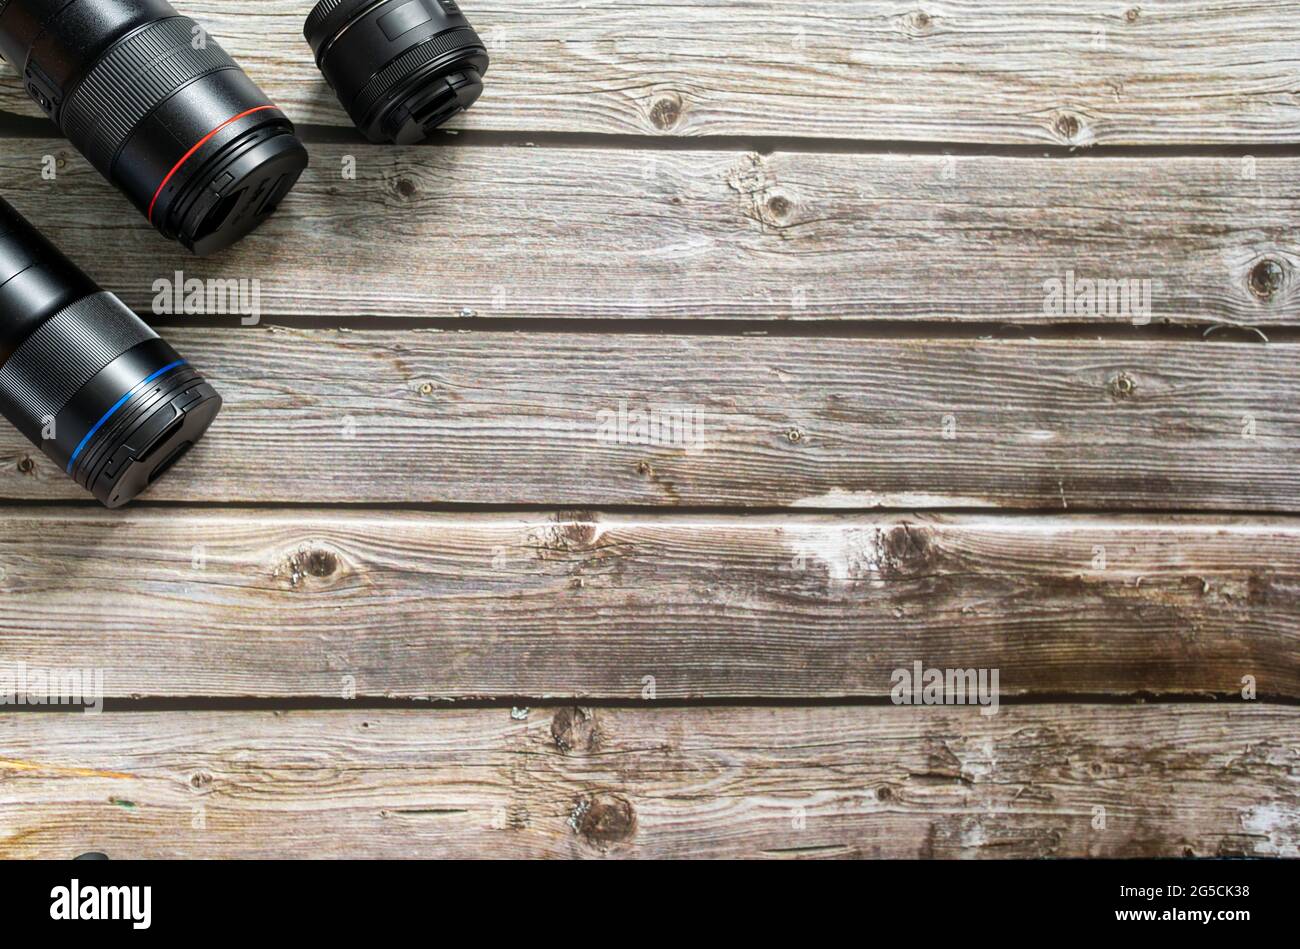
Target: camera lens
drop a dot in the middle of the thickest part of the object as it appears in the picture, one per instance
(400, 67)
(160, 109)
(84, 378)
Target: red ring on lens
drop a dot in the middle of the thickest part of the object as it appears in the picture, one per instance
(201, 142)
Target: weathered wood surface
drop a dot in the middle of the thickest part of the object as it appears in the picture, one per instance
(1071, 72)
(1036, 781)
(177, 603)
(589, 233)
(325, 416)
(791, 212)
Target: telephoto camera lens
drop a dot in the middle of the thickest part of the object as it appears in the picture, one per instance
(160, 109)
(401, 68)
(84, 378)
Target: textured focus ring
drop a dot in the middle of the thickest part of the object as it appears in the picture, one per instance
(131, 80)
(381, 84)
(69, 350)
(330, 16)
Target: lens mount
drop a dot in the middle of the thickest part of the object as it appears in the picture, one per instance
(401, 68)
(229, 183)
(158, 414)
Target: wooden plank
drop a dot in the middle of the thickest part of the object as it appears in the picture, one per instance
(1058, 71)
(589, 233)
(546, 420)
(180, 603)
(1038, 781)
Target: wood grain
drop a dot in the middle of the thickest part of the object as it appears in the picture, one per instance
(506, 418)
(177, 603)
(787, 209)
(1071, 72)
(1054, 780)
(626, 234)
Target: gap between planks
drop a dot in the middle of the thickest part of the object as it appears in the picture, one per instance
(33, 128)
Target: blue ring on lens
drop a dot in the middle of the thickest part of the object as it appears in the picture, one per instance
(120, 402)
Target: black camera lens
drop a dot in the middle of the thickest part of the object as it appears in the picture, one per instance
(400, 67)
(84, 378)
(160, 109)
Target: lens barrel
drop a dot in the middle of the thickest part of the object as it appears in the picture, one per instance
(400, 68)
(84, 378)
(160, 110)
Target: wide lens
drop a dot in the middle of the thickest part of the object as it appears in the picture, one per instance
(401, 68)
(84, 378)
(160, 109)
